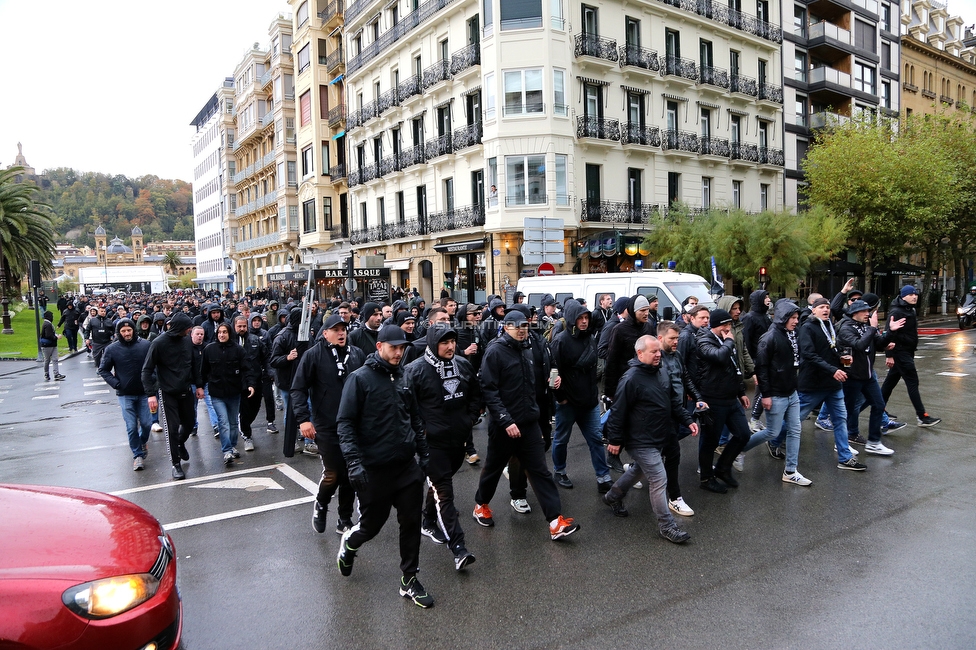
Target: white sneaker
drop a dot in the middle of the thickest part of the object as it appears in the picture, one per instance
(738, 463)
(505, 472)
(248, 444)
(638, 485)
(796, 479)
(756, 425)
(521, 506)
(878, 449)
(854, 452)
(157, 427)
(679, 507)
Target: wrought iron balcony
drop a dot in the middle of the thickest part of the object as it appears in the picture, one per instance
(709, 146)
(386, 231)
(720, 12)
(467, 216)
(636, 133)
(741, 84)
(622, 212)
(465, 58)
(333, 9)
(436, 73)
(334, 59)
(413, 156)
(389, 165)
(639, 57)
(771, 93)
(771, 157)
(713, 76)
(439, 146)
(742, 151)
(367, 173)
(340, 231)
(678, 67)
(402, 28)
(408, 88)
(598, 128)
(337, 172)
(337, 115)
(680, 141)
(355, 9)
(387, 100)
(355, 177)
(468, 136)
(596, 46)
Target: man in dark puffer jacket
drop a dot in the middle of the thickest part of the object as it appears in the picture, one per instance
(121, 369)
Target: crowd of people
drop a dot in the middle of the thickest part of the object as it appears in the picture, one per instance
(388, 395)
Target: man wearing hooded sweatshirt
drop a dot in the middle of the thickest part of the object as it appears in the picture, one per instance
(449, 398)
(754, 324)
(120, 368)
(215, 316)
(365, 337)
(491, 324)
(577, 396)
(168, 373)
(144, 328)
(733, 305)
(259, 329)
(286, 352)
(901, 359)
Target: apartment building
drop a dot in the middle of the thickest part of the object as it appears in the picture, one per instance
(841, 57)
(213, 166)
(465, 118)
(938, 59)
(266, 178)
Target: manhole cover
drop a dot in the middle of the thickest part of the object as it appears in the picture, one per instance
(84, 402)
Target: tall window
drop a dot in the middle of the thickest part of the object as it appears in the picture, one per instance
(886, 94)
(523, 91)
(304, 57)
(736, 194)
(801, 111)
(556, 14)
(449, 194)
(800, 66)
(764, 196)
(865, 36)
(381, 210)
(635, 110)
(735, 128)
(886, 17)
(363, 220)
(305, 104)
(326, 161)
(864, 78)
(401, 210)
(562, 186)
(307, 165)
(674, 188)
(292, 179)
(706, 192)
(422, 201)
(308, 216)
(525, 180)
(886, 56)
(327, 213)
(490, 96)
(706, 123)
(559, 106)
(800, 21)
(301, 16)
(520, 14)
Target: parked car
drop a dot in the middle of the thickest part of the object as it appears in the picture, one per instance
(84, 570)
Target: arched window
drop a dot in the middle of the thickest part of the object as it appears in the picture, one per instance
(912, 75)
(907, 78)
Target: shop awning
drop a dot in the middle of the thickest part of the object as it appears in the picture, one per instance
(461, 246)
(336, 80)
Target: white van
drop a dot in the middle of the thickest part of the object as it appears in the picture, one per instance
(670, 287)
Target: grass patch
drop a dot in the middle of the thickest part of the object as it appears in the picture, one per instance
(22, 344)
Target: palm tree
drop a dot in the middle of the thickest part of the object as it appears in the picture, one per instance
(172, 261)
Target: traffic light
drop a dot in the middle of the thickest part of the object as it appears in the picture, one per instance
(763, 275)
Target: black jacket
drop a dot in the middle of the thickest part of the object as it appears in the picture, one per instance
(468, 334)
(621, 348)
(49, 337)
(255, 355)
(317, 377)
(126, 359)
(171, 365)
(226, 372)
(905, 339)
(378, 423)
(284, 343)
(683, 382)
(100, 330)
(718, 376)
(364, 339)
(210, 328)
(643, 408)
(756, 321)
(449, 406)
(508, 382)
(688, 352)
(603, 345)
(818, 360)
(776, 363)
(69, 318)
(574, 354)
(864, 341)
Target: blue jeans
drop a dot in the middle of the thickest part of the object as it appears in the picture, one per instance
(588, 420)
(867, 392)
(834, 401)
(784, 416)
(210, 408)
(135, 412)
(648, 466)
(228, 410)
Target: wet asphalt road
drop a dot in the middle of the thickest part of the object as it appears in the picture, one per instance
(880, 559)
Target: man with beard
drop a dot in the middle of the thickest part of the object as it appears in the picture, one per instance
(259, 329)
(319, 379)
(754, 324)
(365, 337)
(285, 355)
(99, 332)
(120, 368)
(449, 398)
(256, 361)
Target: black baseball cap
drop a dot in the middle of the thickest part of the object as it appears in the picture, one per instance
(393, 335)
(333, 321)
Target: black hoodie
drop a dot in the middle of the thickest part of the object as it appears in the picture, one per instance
(777, 355)
(171, 357)
(621, 346)
(644, 407)
(284, 343)
(126, 359)
(756, 321)
(317, 377)
(864, 341)
(906, 338)
(574, 354)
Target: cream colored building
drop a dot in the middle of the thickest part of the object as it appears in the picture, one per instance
(600, 115)
(266, 181)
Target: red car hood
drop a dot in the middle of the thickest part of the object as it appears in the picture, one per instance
(72, 534)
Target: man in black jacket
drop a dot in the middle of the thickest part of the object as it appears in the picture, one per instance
(256, 360)
(319, 379)
(508, 383)
(286, 352)
(259, 328)
(167, 375)
(901, 359)
(755, 323)
(644, 406)
(577, 396)
(99, 332)
(365, 337)
(777, 362)
(449, 397)
(380, 432)
(70, 319)
(215, 316)
(720, 383)
(120, 368)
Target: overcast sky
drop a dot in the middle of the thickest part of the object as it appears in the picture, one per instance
(111, 85)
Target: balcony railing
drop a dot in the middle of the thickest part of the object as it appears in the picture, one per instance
(334, 8)
(265, 79)
(596, 46)
(743, 151)
(771, 93)
(912, 88)
(709, 146)
(387, 100)
(741, 84)
(465, 58)
(355, 9)
(721, 13)
(468, 136)
(337, 115)
(413, 156)
(824, 119)
(389, 165)
(771, 157)
(680, 141)
(408, 88)
(354, 178)
(267, 160)
(361, 116)
(467, 216)
(439, 146)
(708, 74)
(334, 59)
(831, 31)
(945, 99)
(340, 231)
(436, 73)
(639, 57)
(678, 67)
(635, 133)
(600, 128)
(367, 173)
(826, 74)
(267, 119)
(258, 242)
(871, 5)
(403, 27)
(337, 172)
(928, 93)
(618, 212)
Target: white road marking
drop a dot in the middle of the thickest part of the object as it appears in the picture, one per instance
(45, 397)
(918, 357)
(944, 374)
(96, 392)
(50, 387)
(4, 392)
(311, 486)
(242, 483)
(237, 513)
(92, 382)
(953, 359)
(190, 481)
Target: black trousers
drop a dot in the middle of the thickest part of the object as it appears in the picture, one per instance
(671, 452)
(439, 509)
(723, 413)
(529, 449)
(904, 369)
(177, 414)
(400, 487)
(334, 477)
(267, 393)
(249, 410)
(518, 482)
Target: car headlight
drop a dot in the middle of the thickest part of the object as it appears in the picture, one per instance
(961, 310)
(110, 596)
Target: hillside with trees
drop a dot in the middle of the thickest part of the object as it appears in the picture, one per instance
(83, 200)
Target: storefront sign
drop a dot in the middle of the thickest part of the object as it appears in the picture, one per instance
(461, 247)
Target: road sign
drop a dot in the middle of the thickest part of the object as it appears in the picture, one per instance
(547, 269)
(542, 248)
(350, 285)
(544, 223)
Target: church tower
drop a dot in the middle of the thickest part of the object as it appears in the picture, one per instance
(137, 244)
(100, 237)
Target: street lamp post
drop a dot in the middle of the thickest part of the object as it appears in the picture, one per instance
(104, 267)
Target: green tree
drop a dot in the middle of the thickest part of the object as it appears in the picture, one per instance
(171, 260)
